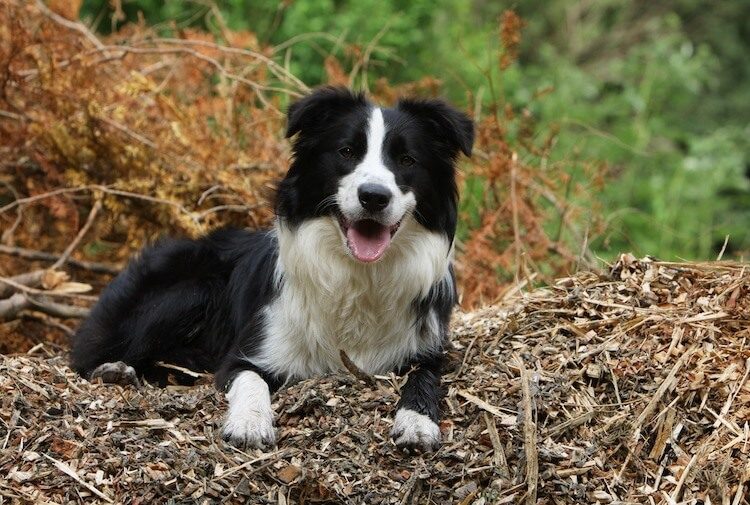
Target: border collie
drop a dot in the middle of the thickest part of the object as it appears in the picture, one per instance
(359, 260)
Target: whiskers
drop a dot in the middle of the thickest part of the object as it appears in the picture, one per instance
(327, 203)
(415, 213)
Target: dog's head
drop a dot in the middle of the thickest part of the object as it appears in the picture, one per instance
(371, 169)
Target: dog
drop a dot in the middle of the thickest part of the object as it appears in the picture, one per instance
(359, 259)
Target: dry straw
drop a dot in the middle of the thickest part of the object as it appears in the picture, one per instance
(628, 387)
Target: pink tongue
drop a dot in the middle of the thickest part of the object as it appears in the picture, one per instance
(368, 240)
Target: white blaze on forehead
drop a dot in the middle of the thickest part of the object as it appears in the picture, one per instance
(375, 138)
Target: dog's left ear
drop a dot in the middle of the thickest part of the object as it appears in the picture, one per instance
(451, 126)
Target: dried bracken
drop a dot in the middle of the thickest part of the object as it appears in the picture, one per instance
(510, 34)
(179, 135)
(530, 218)
(168, 133)
(633, 383)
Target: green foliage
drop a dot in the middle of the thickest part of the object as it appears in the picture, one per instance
(658, 91)
(642, 94)
(408, 38)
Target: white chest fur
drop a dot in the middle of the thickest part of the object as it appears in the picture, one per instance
(329, 301)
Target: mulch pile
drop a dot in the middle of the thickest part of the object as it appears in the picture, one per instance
(624, 387)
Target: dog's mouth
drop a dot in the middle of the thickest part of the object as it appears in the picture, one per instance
(367, 239)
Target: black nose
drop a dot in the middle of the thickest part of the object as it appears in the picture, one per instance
(374, 197)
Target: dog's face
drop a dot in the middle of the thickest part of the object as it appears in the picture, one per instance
(370, 169)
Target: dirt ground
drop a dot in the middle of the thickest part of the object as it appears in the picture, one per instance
(629, 386)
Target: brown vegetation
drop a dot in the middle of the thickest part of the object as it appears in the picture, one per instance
(176, 136)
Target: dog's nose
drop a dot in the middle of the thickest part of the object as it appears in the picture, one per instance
(374, 197)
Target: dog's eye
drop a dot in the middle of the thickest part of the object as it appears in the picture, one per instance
(346, 152)
(406, 161)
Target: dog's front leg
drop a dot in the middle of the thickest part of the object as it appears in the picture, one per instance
(250, 419)
(415, 426)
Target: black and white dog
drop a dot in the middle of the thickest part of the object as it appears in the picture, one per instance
(359, 260)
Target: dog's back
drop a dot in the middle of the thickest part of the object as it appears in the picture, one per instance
(180, 301)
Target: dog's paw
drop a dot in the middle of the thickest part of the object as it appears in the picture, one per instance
(251, 430)
(249, 421)
(413, 431)
(116, 373)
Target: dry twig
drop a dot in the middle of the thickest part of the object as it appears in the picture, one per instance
(29, 279)
(77, 240)
(10, 308)
(355, 370)
(31, 254)
(529, 436)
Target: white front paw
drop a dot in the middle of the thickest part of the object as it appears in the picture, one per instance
(412, 430)
(249, 422)
(254, 429)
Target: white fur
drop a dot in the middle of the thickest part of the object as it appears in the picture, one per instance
(249, 420)
(328, 301)
(412, 429)
(372, 170)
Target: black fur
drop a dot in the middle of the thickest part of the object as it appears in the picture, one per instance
(181, 301)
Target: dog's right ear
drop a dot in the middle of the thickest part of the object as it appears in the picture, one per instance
(450, 125)
(316, 108)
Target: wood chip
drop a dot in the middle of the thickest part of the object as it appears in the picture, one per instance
(672, 430)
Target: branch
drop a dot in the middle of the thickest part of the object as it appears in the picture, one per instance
(29, 279)
(52, 293)
(31, 254)
(256, 87)
(148, 198)
(59, 309)
(104, 189)
(69, 250)
(529, 435)
(42, 196)
(355, 370)
(278, 70)
(71, 25)
(10, 308)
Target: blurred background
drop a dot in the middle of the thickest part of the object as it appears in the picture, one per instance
(603, 126)
(658, 92)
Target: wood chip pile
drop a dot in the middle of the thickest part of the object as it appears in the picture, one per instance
(626, 387)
